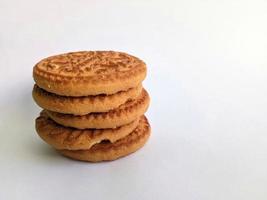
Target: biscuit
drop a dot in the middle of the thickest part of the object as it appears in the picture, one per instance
(124, 114)
(83, 105)
(61, 137)
(86, 73)
(107, 151)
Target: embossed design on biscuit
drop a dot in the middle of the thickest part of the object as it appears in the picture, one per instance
(88, 63)
(89, 73)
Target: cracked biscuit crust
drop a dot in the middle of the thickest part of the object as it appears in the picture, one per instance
(107, 151)
(61, 137)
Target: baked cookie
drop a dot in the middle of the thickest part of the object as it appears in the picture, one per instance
(61, 137)
(83, 105)
(106, 151)
(122, 115)
(86, 73)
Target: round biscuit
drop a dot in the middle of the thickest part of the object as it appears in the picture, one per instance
(122, 115)
(107, 151)
(86, 73)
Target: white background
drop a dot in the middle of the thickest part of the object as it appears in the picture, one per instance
(208, 83)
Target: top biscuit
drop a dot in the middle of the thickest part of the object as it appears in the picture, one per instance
(89, 73)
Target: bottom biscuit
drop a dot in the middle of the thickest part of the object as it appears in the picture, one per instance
(106, 151)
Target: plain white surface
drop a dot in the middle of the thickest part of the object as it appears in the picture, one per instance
(207, 80)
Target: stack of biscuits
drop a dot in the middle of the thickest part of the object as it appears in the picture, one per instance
(93, 104)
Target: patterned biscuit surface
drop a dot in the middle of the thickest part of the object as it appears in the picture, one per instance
(107, 151)
(61, 137)
(89, 73)
(83, 105)
(122, 115)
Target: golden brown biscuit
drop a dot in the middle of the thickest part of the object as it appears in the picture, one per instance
(107, 151)
(124, 114)
(83, 105)
(61, 137)
(89, 73)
